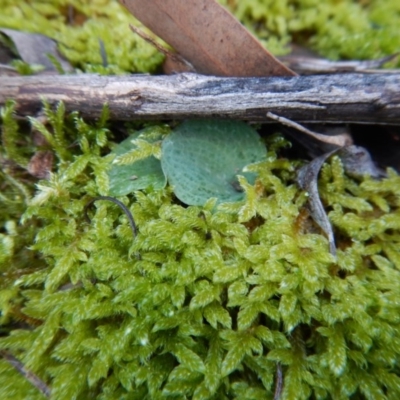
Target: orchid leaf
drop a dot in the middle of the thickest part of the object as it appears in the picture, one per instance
(202, 158)
(141, 174)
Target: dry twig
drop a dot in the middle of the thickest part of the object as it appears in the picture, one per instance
(30, 376)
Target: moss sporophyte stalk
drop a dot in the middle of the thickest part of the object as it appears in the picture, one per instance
(223, 293)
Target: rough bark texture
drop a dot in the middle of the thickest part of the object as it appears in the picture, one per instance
(359, 98)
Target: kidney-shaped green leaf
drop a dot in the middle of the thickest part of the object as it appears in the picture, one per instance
(139, 175)
(202, 158)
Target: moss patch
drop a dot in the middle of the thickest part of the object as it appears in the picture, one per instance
(219, 297)
(344, 29)
(337, 29)
(79, 26)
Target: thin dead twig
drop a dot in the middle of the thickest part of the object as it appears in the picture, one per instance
(29, 375)
(337, 140)
(278, 382)
(177, 58)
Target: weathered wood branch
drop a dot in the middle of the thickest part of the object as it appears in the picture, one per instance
(358, 98)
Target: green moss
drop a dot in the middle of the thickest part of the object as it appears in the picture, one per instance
(218, 297)
(344, 29)
(92, 21)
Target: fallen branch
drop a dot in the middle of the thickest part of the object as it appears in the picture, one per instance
(357, 98)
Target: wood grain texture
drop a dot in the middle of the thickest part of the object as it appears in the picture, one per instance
(358, 98)
(207, 36)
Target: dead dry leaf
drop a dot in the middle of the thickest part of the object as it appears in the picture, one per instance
(356, 161)
(40, 165)
(208, 37)
(307, 178)
(34, 48)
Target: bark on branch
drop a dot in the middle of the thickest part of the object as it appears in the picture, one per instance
(358, 98)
